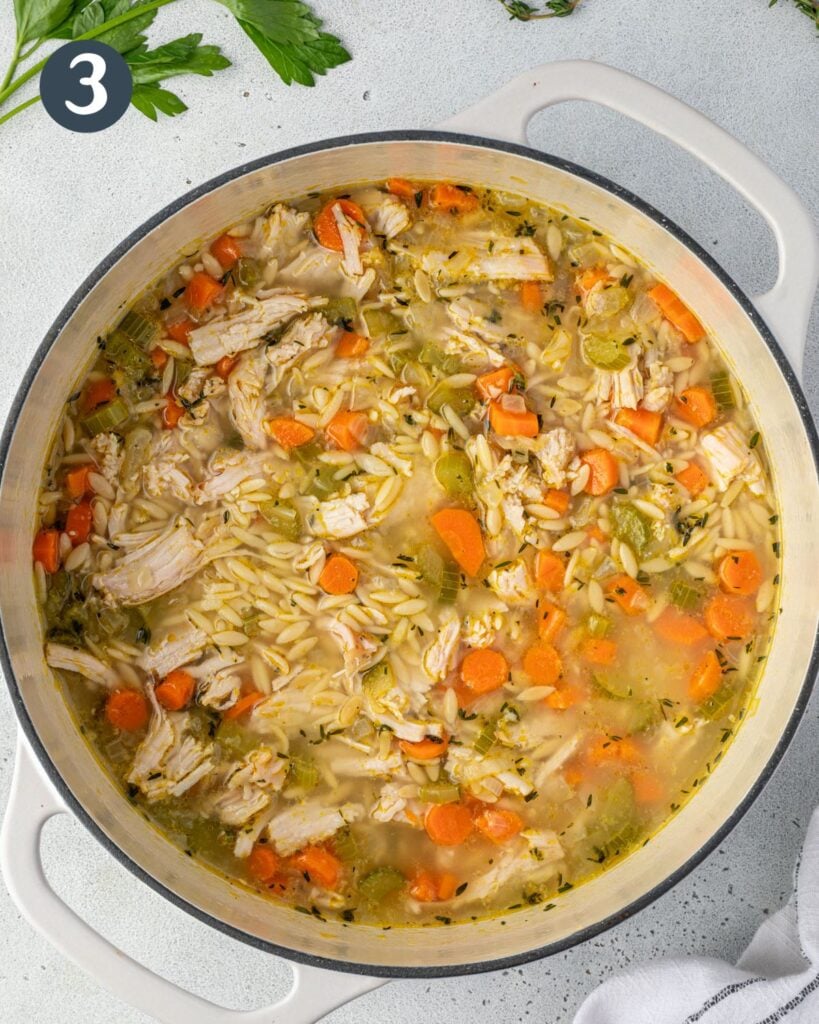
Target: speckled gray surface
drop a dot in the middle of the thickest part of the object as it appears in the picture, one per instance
(66, 200)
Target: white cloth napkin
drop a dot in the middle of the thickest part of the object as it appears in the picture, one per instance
(776, 979)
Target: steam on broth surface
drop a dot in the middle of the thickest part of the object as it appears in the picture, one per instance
(408, 554)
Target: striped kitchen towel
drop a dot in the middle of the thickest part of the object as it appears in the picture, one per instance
(776, 979)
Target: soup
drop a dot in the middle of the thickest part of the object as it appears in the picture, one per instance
(409, 554)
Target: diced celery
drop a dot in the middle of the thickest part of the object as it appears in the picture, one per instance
(106, 417)
(439, 793)
(247, 272)
(722, 390)
(235, 740)
(450, 586)
(606, 352)
(209, 838)
(462, 400)
(397, 358)
(140, 329)
(303, 772)
(718, 703)
(347, 846)
(685, 593)
(611, 685)
(430, 565)
(597, 625)
(380, 322)
(340, 309)
(379, 884)
(283, 518)
(453, 471)
(378, 680)
(486, 739)
(323, 481)
(121, 350)
(433, 356)
(606, 301)
(631, 526)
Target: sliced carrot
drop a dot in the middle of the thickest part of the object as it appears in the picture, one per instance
(454, 198)
(202, 292)
(459, 530)
(587, 279)
(172, 413)
(402, 188)
(176, 690)
(696, 406)
(677, 313)
(227, 250)
(448, 824)
(511, 423)
(224, 367)
(243, 705)
(531, 296)
(594, 532)
(496, 382)
(706, 678)
(288, 432)
(648, 789)
(573, 774)
(628, 594)
(558, 501)
(679, 628)
(180, 330)
(729, 617)
(564, 697)
(326, 228)
(447, 884)
(550, 570)
(740, 573)
(98, 393)
(693, 479)
(127, 710)
(604, 473)
(598, 651)
(498, 824)
(427, 887)
(76, 482)
(78, 522)
(323, 867)
(264, 864)
(426, 749)
(484, 670)
(348, 429)
(339, 575)
(542, 664)
(550, 622)
(159, 357)
(642, 422)
(606, 749)
(352, 346)
(46, 549)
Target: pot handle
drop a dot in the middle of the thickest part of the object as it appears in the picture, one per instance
(32, 802)
(506, 113)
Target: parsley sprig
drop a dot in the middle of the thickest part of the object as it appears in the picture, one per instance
(287, 33)
(520, 11)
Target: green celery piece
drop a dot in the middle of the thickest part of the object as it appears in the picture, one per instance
(685, 594)
(340, 309)
(597, 625)
(628, 524)
(140, 329)
(462, 400)
(722, 390)
(453, 471)
(303, 772)
(378, 680)
(106, 417)
(380, 322)
(380, 883)
(606, 352)
(439, 793)
(121, 350)
(283, 518)
(247, 272)
(435, 358)
(235, 740)
(486, 739)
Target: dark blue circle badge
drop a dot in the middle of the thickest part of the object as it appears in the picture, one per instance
(86, 86)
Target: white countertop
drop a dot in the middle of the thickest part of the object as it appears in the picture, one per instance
(67, 199)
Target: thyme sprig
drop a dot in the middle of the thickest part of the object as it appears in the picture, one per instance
(518, 10)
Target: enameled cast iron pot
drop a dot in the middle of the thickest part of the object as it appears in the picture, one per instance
(56, 770)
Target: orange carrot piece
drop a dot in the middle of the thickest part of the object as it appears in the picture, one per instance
(323, 867)
(202, 292)
(288, 432)
(180, 330)
(564, 697)
(76, 481)
(78, 522)
(454, 198)
(542, 664)
(348, 429)
(558, 501)
(587, 279)
(46, 550)
(176, 690)
(573, 774)
(594, 532)
(642, 422)
(677, 313)
(551, 621)
(158, 357)
(628, 594)
(325, 227)
(243, 705)
(511, 423)
(227, 250)
(598, 651)
(97, 393)
(679, 628)
(426, 749)
(550, 570)
(604, 473)
(706, 678)
(496, 382)
(498, 824)
(607, 749)
(402, 188)
(447, 884)
(693, 479)
(172, 413)
(264, 864)
(484, 670)
(729, 617)
(339, 575)
(352, 346)
(127, 710)
(531, 296)
(448, 824)
(224, 367)
(740, 573)
(648, 789)
(696, 406)
(459, 530)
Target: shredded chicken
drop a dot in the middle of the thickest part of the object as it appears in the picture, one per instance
(309, 823)
(71, 659)
(174, 650)
(512, 583)
(246, 391)
(302, 336)
(386, 214)
(108, 452)
(730, 458)
(555, 450)
(340, 517)
(229, 335)
(168, 762)
(439, 656)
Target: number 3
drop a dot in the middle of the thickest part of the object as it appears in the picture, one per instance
(99, 95)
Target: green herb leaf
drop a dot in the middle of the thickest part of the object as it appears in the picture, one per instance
(37, 19)
(150, 99)
(299, 62)
(180, 57)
